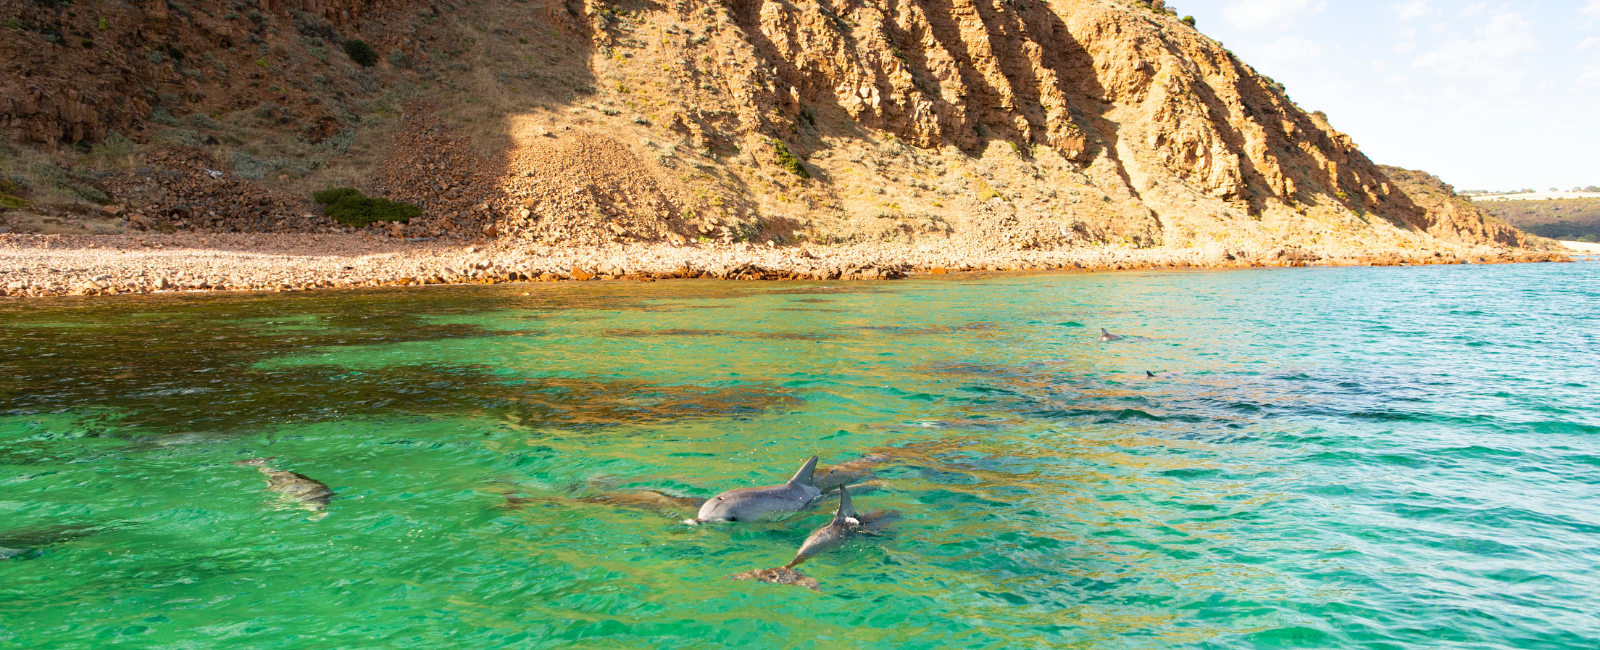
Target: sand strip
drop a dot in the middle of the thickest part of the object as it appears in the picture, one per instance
(55, 265)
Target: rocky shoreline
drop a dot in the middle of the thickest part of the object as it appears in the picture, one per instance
(60, 265)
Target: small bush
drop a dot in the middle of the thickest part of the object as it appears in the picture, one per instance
(8, 195)
(160, 115)
(350, 207)
(399, 59)
(339, 143)
(1188, 20)
(181, 137)
(203, 121)
(361, 53)
(788, 161)
(116, 144)
(78, 182)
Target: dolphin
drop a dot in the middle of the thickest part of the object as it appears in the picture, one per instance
(313, 494)
(1149, 375)
(643, 500)
(1108, 336)
(844, 526)
(29, 542)
(746, 504)
(847, 523)
(853, 471)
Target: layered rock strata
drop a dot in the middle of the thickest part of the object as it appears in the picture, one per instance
(1004, 126)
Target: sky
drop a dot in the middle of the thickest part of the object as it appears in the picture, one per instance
(1486, 95)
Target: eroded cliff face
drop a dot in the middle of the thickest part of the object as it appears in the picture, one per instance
(991, 124)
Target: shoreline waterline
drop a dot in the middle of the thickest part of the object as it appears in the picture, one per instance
(61, 265)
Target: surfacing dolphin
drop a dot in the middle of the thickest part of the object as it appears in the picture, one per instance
(837, 532)
(1108, 336)
(748, 504)
(311, 493)
(847, 523)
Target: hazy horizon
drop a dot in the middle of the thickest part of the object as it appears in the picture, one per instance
(1486, 95)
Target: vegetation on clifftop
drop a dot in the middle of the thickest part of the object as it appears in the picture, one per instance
(1568, 219)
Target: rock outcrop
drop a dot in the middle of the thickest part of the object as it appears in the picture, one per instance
(1450, 216)
(996, 125)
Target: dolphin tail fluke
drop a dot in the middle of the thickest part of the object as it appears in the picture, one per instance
(846, 509)
(803, 477)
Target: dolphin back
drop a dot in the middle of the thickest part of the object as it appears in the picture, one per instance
(803, 477)
(846, 509)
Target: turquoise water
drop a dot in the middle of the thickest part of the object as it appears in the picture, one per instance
(1383, 458)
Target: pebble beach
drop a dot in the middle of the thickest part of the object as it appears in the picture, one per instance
(59, 265)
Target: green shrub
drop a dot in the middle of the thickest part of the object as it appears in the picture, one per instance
(1188, 20)
(788, 161)
(360, 52)
(116, 144)
(352, 208)
(8, 195)
(203, 121)
(160, 115)
(78, 182)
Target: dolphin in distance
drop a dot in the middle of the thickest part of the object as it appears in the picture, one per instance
(1108, 336)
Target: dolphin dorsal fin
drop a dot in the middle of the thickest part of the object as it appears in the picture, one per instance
(1103, 332)
(803, 477)
(846, 509)
(1147, 373)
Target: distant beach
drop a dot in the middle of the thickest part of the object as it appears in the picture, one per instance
(57, 265)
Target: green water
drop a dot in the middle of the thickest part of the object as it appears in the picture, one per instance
(1384, 458)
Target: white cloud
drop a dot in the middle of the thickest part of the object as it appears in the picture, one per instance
(1416, 9)
(1259, 14)
(1488, 54)
(1589, 76)
(1591, 10)
(1475, 9)
(1588, 43)
(1286, 49)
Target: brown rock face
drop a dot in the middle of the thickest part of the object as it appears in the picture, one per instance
(71, 73)
(1452, 217)
(1168, 117)
(994, 126)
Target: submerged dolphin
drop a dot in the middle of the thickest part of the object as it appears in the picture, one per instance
(746, 504)
(1108, 336)
(854, 471)
(642, 499)
(29, 542)
(312, 493)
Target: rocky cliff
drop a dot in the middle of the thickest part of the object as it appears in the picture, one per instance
(992, 124)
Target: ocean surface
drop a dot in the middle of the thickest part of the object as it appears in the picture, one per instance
(1347, 457)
